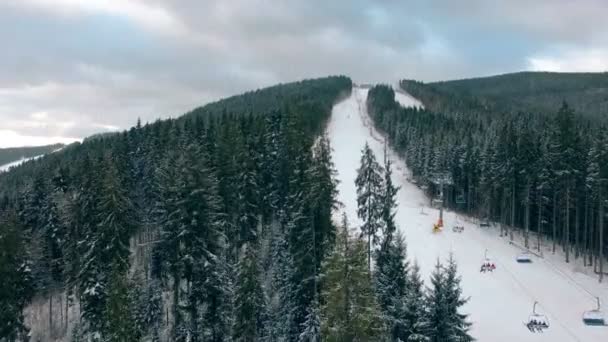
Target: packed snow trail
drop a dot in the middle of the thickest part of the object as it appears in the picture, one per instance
(500, 301)
(8, 166)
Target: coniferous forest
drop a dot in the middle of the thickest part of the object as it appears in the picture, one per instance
(539, 174)
(216, 226)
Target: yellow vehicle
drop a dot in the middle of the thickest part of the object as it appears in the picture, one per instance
(436, 228)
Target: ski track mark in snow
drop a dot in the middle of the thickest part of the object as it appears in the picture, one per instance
(499, 301)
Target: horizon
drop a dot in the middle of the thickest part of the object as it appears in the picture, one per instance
(74, 68)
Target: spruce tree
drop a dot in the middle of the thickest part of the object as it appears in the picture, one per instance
(369, 198)
(336, 289)
(324, 196)
(119, 324)
(458, 326)
(415, 318)
(250, 304)
(438, 310)
(391, 284)
(350, 311)
(389, 201)
(16, 287)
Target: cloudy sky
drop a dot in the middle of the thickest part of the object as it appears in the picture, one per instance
(70, 68)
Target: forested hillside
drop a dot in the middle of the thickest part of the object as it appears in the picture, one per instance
(537, 92)
(9, 155)
(543, 174)
(210, 227)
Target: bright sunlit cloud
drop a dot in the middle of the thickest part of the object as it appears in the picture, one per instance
(572, 61)
(14, 139)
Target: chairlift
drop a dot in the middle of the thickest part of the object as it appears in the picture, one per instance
(457, 227)
(487, 264)
(594, 317)
(524, 258)
(537, 322)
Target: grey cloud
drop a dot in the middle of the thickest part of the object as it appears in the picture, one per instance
(95, 68)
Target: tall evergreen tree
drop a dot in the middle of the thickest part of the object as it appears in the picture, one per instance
(369, 198)
(415, 318)
(250, 304)
(391, 284)
(350, 311)
(16, 287)
(458, 329)
(119, 323)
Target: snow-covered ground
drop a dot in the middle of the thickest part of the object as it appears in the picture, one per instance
(500, 301)
(6, 167)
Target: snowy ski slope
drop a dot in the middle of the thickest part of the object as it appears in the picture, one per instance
(6, 167)
(500, 301)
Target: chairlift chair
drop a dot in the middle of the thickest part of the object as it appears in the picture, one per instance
(457, 227)
(537, 322)
(524, 258)
(487, 264)
(484, 223)
(594, 317)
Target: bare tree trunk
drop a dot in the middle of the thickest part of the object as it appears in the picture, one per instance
(61, 311)
(586, 230)
(592, 237)
(51, 313)
(566, 237)
(577, 250)
(540, 219)
(512, 212)
(554, 219)
(67, 306)
(601, 233)
(527, 217)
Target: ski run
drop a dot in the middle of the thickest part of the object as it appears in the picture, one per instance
(501, 300)
(8, 166)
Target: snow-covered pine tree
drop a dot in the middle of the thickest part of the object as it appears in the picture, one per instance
(437, 305)
(389, 201)
(336, 291)
(311, 331)
(391, 284)
(281, 304)
(414, 317)
(16, 287)
(366, 321)
(250, 304)
(107, 248)
(118, 319)
(202, 251)
(350, 311)
(302, 246)
(369, 198)
(324, 195)
(247, 201)
(458, 326)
